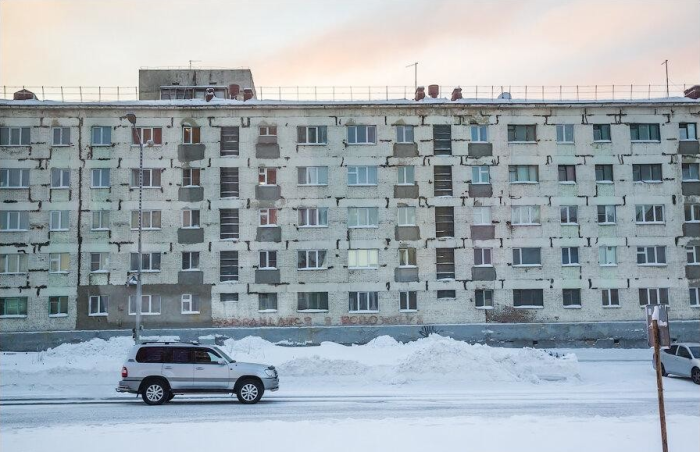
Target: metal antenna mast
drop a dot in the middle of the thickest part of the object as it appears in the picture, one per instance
(665, 63)
(415, 74)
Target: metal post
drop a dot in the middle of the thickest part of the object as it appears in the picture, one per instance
(62, 93)
(659, 381)
(139, 296)
(665, 63)
(80, 88)
(386, 90)
(117, 93)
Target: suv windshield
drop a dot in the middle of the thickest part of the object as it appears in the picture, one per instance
(228, 358)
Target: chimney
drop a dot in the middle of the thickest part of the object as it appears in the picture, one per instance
(456, 94)
(233, 91)
(420, 93)
(24, 94)
(433, 91)
(209, 95)
(693, 92)
(247, 94)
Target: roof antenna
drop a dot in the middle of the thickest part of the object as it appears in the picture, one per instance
(194, 61)
(415, 74)
(666, 64)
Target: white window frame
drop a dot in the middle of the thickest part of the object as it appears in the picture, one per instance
(692, 213)
(313, 176)
(369, 173)
(406, 175)
(147, 215)
(602, 127)
(188, 138)
(265, 256)
(690, 172)
(479, 133)
(56, 220)
(355, 256)
(487, 298)
(101, 141)
(481, 175)
(265, 172)
(645, 140)
(405, 258)
(319, 258)
(364, 217)
(525, 215)
(405, 134)
(151, 141)
(530, 170)
(486, 257)
(267, 131)
(188, 173)
(13, 263)
(654, 260)
(363, 299)
(265, 217)
(606, 298)
(102, 217)
(188, 261)
(102, 262)
(57, 261)
(151, 305)
(607, 256)
(693, 254)
(63, 132)
(482, 216)
(7, 177)
(689, 126)
(149, 176)
(370, 135)
(565, 213)
(567, 253)
(17, 132)
(191, 219)
(405, 299)
(318, 141)
(60, 299)
(565, 133)
(406, 216)
(150, 255)
(603, 167)
(650, 167)
(311, 217)
(694, 297)
(519, 251)
(607, 210)
(102, 303)
(102, 172)
(63, 178)
(13, 220)
(654, 209)
(658, 291)
(187, 304)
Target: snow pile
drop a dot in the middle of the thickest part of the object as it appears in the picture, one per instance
(315, 366)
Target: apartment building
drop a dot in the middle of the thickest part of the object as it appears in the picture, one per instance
(348, 213)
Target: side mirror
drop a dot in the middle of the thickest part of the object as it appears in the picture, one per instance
(222, 362)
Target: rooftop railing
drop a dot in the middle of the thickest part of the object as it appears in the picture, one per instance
(375, 93)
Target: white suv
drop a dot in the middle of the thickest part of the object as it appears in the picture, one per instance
(159, 370)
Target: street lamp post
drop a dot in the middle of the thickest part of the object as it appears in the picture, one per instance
(135, 132)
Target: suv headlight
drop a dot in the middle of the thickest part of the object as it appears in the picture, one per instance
(271, 373)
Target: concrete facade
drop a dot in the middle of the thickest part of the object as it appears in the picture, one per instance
(238, 298)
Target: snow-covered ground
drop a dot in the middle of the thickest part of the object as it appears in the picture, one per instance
(432, 393)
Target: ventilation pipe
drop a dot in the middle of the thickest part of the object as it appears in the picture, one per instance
(247, 94)
(209, 95)
(456, 94)
(234, 90)
(433, 91)
(693, 92)
(420, 93)
(24, 94)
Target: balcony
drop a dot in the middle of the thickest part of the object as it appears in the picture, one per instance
(406, 274)
(407, 233)
(190, 152)
(190, 194)
(190, 235)
(483, 274)
(267, 276)
(687, 147)
(480, 190)
(405, 150)
(477, 150)
(269, 234)
(406, 191)
(483, 232)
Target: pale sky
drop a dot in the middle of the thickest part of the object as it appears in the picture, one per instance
(356, 42)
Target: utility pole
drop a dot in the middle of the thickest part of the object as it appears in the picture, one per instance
(415, 74)
(665, 63)
(137, 332)
(659, 379)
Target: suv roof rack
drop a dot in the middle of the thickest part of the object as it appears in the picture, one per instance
(170, 342)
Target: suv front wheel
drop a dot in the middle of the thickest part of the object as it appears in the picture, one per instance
(249, 391)
(155, 392)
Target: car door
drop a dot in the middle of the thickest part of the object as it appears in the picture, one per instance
(179, 368)
(150, 361)
(668, 358)
(209, 371)
(683, 361)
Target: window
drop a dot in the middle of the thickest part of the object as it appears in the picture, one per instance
(13, 307)
(151, 178)
(99, 262)
(151, 219)
(525, 215)
(607, 214)
(14, 136)
(362, 175)
(311, 259)
(482, 216)
(267, 302)
(190, 260)
(568, 214)
(646, 172)
(189, 304)
(567, 174)
(58, 220)
(571, 298)
(480, 175)
(60, 178)
(601, 132)
(690, 172)
(446, 294)
(154, 134)
(312, 301)
(479, 134)
(407, 216)
(228, 222)
(229, 145)
(404, 134)
(190, 135)
(312, 175)
(407, 257)
(312, 135)
(528, 298)
(445, 263)
(657, 295)
(58, 306)
(651, 255)
(688, 131)
(14, 178)
(610, 298)
(101, 136)
(190, 177)
(61, 136)
(267, 131)
(644, 132)
(150, 305)
(604, 174)
(363, 217)
(13, 220)
(443, 180)
(694, 296)
(362, 134)
(693, 254)
(59, 262)
(228, 264)
(98, 305)
(229, 297)
(649, 213)
(268, 260)
(565, 133)
(229, 183)
(13, 263)
(150, 262)
(313, 217)
(406, 175)
(692, 213)
(444, 222)
(482, 257)
(100, 178)
(363, 302)
(100, 220)
(190, 219)
(442, 139)
(607, 256)
(521, 133)
(267, 176)
(408, 301)
(363, 259)
(523, 257)
(483, 298)
(267, 217)
(523, 174)
(569, 256)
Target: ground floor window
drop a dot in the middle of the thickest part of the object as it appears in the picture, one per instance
(267, 302)
(483, 298)
(58, 306)
(150, 305)
(98, 305)
(189, 304)
(13, 306)
(408, 301)
(363, 302)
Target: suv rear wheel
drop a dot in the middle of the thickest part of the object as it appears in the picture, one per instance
(249, 391)
(155, 392)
